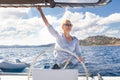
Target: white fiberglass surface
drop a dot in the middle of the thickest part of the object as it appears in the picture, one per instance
(77, 1)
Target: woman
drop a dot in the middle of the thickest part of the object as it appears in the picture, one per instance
(64, 41)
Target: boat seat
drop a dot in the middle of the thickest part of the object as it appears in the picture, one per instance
(54, 74)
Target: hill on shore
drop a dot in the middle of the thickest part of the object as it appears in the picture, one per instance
(100, 40)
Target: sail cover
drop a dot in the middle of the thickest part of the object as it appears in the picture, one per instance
(53, 3)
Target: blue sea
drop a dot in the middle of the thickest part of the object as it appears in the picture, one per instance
(98, 59)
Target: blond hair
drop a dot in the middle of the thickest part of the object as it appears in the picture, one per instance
(64, 21)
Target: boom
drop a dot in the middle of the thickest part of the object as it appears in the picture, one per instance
(50, 3)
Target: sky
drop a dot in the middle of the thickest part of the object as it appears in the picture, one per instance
(24, 26)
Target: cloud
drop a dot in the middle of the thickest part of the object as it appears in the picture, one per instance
(112, 32)
(18, 27)
(13, 13)
(113, 18)
(91, 24)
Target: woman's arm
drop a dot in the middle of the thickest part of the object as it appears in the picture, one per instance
(43, 17)
(50, 28)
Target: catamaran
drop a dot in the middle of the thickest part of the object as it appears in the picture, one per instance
(38, 74)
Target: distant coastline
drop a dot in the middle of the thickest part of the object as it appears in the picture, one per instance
(25, 46)
(100, 41)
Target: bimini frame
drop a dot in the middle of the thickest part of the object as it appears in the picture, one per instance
(49, 3)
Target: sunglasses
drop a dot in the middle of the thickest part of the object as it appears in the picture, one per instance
(68, 25)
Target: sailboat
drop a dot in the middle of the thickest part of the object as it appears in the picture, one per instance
(50, 4)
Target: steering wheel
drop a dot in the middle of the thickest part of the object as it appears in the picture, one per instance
(43, 52)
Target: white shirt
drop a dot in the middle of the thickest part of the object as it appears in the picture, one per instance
(61, 42)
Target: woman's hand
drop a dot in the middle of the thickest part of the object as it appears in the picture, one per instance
(38, 7)
(80, 59)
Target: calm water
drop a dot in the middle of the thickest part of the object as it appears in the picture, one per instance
(101, 59)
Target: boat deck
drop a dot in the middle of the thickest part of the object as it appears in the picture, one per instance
(24, 77)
